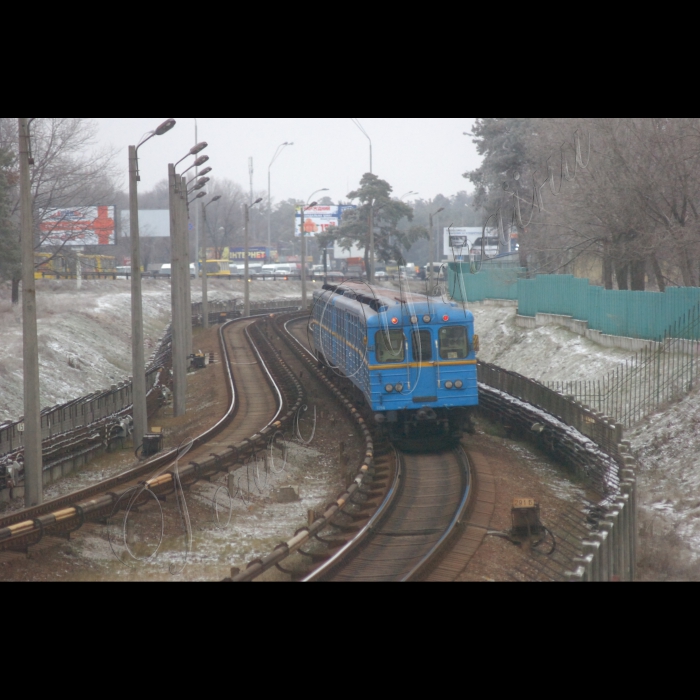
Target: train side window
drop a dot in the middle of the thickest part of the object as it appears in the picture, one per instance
(453, 343)
(390, 347)
(422, 346)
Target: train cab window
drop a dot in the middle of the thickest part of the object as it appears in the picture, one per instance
(390, 347)
(422, 346)
(453, 343)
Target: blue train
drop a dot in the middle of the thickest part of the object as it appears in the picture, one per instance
(412, 358)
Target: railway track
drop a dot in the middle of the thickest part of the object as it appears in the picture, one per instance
(395, 526)
(426, 502)
(257, 400)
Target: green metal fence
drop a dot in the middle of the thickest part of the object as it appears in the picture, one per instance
(651, 378)
(469, 282)
(644, 315)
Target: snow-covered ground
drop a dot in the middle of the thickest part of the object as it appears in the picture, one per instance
(667, 443)
(85, 336)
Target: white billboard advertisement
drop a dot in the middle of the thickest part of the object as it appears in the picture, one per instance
(317, 220)
(459, 241)
(153, 223)
(79, 226)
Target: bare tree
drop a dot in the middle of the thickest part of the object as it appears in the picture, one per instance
(68, 170)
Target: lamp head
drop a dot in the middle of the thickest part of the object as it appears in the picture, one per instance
(257, 201)
(216, 199)
(165, 127)
(199, 147)
(206, 171)
(201, 160)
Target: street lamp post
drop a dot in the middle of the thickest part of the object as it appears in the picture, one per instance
(303, 246)
(205, 290)
(278, 152)
(246, 310)
(33, 456)
(432, 245)
(180, 280)
(138, 362)
(356, 122)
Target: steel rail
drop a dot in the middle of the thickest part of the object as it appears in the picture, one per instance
(365, 532)
(23, 524)
(424, 563)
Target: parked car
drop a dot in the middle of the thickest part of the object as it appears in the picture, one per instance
(123, 272)
(166, 271)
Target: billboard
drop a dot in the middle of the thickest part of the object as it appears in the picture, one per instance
(153, 223)
(258, 254)
(459, 241)
(317, 220)
(79, 226)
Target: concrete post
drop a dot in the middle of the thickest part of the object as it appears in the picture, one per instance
(603, 536)
(627, 525)
(430, 256)
(630, 484)
(304, 301)
(33, 457)
(592, 548)
(138, 362)
(205, 289)
(587, 564)
(613, 521)
(246, 281)
(187, 289)
(176, 284)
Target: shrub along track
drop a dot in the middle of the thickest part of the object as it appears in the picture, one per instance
(264, 397)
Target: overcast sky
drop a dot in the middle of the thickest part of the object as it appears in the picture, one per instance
(426, 154)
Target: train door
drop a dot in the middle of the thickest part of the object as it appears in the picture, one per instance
(423, 367)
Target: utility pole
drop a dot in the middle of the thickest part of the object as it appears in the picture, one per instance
(205, 290)
(303, 259)
(187, 289)
(179, 339)
(432, 248)
(280, 148)
(370, 272)
(251, 171)
(246, 286)
(138, 361)
(196, 229)
(33, 457)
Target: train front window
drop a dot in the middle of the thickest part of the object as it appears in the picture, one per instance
(422, 346)
(453, 343)
(390, 347)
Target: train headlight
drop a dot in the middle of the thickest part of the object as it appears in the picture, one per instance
(414, 320)
(389, 388)
(427, 318)
(459, 383)
(448, 385)
(399, 388)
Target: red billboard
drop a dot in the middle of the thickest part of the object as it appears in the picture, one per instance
(78, 226)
